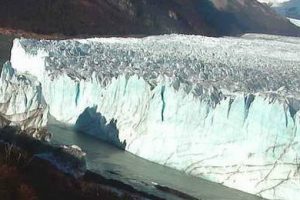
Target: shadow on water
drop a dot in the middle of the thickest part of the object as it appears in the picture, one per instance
(109, 165)
(115, 164)
(94, 123)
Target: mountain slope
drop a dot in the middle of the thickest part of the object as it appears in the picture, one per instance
(288, 8)
(128, 17)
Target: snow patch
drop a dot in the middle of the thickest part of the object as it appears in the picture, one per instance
(295, 21)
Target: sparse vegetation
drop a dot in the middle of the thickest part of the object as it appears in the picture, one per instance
(12, 185)
(15, 157)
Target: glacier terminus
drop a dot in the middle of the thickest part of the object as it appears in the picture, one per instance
(225, 109)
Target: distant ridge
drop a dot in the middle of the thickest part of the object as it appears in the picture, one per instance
(142, 17)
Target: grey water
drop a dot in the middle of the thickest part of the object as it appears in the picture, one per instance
(139, 173)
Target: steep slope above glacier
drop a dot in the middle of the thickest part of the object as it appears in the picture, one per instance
(221, 108)
(288, 8)
(147, 17)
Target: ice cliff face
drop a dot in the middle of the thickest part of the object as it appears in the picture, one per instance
(22, 103)
(225, 109)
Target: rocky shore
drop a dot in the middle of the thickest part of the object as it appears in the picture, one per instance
(32, 170)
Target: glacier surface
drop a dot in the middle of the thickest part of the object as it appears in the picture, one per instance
(295, 21)
(226, 109)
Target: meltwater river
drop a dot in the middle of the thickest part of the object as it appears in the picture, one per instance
(141, 174)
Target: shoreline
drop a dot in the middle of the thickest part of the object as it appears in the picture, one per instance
(19, 145)
(74, 165)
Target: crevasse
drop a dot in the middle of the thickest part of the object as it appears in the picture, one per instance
(225, 109)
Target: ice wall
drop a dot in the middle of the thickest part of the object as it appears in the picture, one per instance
(22, 103)
(224, 109)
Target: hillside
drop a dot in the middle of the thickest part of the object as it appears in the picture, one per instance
(136, 17)
(288, 8)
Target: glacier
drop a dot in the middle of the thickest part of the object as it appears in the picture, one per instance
(295, 21)
(225, 109)
(22, 104)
